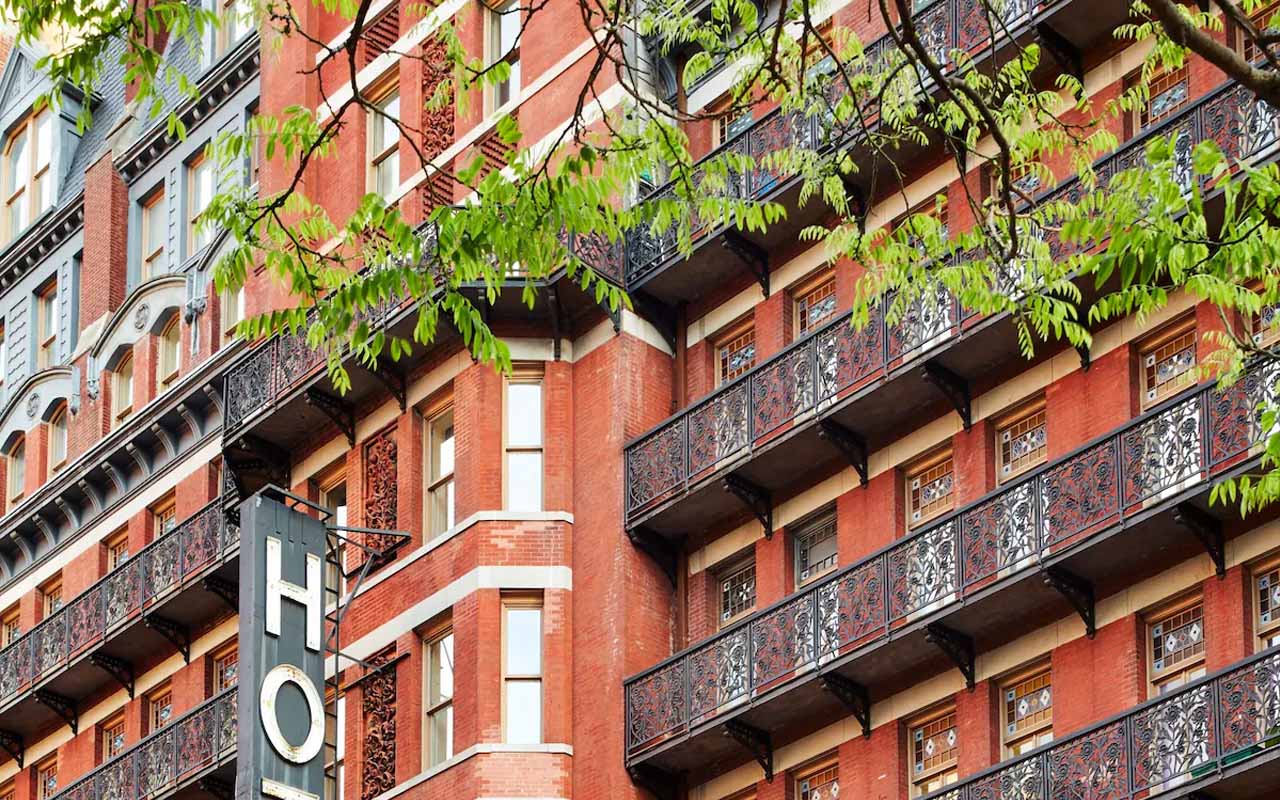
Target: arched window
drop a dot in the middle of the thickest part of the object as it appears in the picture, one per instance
(122, 390)
(58, 440)
(167, 359)
(15, 472)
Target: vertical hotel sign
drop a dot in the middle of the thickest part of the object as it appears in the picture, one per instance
(281, 685)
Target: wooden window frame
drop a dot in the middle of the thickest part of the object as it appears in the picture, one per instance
(107, 729)
(1010, 739)
(731, 569)
(726, 339)
(1141, 119)
(1259, 17)
(229, 301)
(1008, 423)
(521, 601)
(151, 204)
(919, 467)
(117, 549)
(814, 769)
(120, 411)
(1150, 345)
(217, 662)
(385, 93)
(1184, 669)
(156, 699)
(59, 438)
(167, 375)
(821, 519)
(529, 373)
(825, 283)
(51, 597)
(493, 43)
(327, 483)
(164, 510)
(16, 471)
(194, 170)
(10, 626)
(1264, 630)
(47, 325)
(41, 771)
(920, 720)
(723, 122)
(24, 194)
(228, 33)
(433, 637)
(444, 481)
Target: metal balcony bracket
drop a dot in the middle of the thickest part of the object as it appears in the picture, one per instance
(657, 548)
(11, 743)
(392, 379)
(229, 591)
(1078, 592)
(175, 632)
(64, 707)
(1208, 530)
(1061, 51)
(956, 646)
(756, 499)
(953, 387)
(252, 454)
(1199, 795)
(218, 788)
(117, 668)
(615, 315)
(339, 412)
(658, 314)
(854, 696)
(758, 743)
(660, 783)
(753, 257)
(1086, 356)
(852, 446)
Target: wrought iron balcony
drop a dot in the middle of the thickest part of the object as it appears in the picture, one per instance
(858, 379)
(1222, 730)
(197, 749)
(181, 580)
(1086, 524)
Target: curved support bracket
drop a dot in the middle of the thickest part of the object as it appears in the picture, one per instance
(953, 387)
(854, 696)
(11, 743)
(657, 548)
(117, 478)
(70, 511)
(117, 668)
(339, 412)
(165, 438)
(218, 788)
(194, 421)
(753, 257)
(852, 446)
(92, 492)
(175, 632)
(142, 458)
(660, 783)
(1061, 51)
(64, 707)
(758, 743)
(229, 591)
(393, 380)
(756, 499)
(1086, 356)
(1208, 530)
(661, 316)
(1078, 592)
(956, 646)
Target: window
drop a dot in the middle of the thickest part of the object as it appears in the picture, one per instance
(1266, 596)
(1261, 19)
(522, 669)
(232, 306)
(737, 591)
(58, 440)
(10, 627)
(1028, 711)
(16, 470)
(200, 188)
(164, 515)
(28, 179)
(1167, 363)
(934, 749)
(122, 389)
(1021, 441)
(814, 546)
(1170, 91)
(159, 708)
(930, 488)
(47, 778)
(112, 737)
(819, 783)
(335, 731)
(440, 472)
(504, 45)
(523, 433)
(333, 494)
(47, 325)
(384, 146)
(1176, 637)
(1264, 327)
(236, 21)
(226, 667)
(729, 122)
(735, 353)
(167, 358)
(117, 546)
(439, 680)
(51, 597)
(4, 355)
(153, 234)
(815, 303)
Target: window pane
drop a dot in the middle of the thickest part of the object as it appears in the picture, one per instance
(524, 641)
(524, 481)
(524, 712)
(508, 29)
(524, 414)
(441, 670)
(442, 735)
(442, 446)
(19, 165)
(44, 140)
(442, 507)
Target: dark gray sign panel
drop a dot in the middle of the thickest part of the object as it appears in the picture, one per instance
(281, 684)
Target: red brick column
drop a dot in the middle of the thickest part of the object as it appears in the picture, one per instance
(978, 718)
(1228, 618)
(557, 437)
(973, 459)
(774, 569)
(477, 416)
(106, 219)
(1095, 678)
(870, 517)
(1088, 403)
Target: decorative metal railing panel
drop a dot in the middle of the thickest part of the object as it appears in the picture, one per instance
(817, 369)
(1219, 722)
(166, 760)
(1179, 446)
(161, 567)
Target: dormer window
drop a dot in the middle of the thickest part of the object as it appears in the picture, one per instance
(153, 231)
(28, 179)
(235, 23)
(200, 188)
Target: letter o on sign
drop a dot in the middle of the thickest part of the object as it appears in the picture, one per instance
(271, 685)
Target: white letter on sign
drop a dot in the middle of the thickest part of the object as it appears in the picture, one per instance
(311, 596)
(310, 747)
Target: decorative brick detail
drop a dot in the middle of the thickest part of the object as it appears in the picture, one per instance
(378, 709)
(380, 490)
(437, 124)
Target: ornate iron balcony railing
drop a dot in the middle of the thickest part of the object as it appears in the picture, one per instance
(145, 580)
(1166, 452)
(1216, 723)
(167, 759)
(836, 360)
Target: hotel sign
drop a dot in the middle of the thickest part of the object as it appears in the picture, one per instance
(281, 683)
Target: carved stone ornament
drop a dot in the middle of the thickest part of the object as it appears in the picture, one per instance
(378, 710)
(141, 316)
(380, 491)
(33, 404)
(92, 387)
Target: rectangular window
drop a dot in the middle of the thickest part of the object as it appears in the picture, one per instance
(1167, 363)
(333, 495)
(1176, 637)
(729, 123)
(934, 743)
(1028, 712)
(159, 709)
(4, 355)
(10, 627)
(1021, 441)
(47, 325)
(16, 471)
(1261, 19)
(236, 21)
(930, 488)
(122, 389)
(1266, 597)
(335, 731)
(504, 45)
(819, 783)
(735, 353)
(231, 305)
(170, 344)
(47, 779)
(226, 668)
(1264, 327)
(164, 515)
(58, 440)
(112, 737)
(814, 546)
(1170, 92)
(117, 549)
(815, 303)
(28, 179)
(439, 680)
(523, 433)
(440, 471)
(153, 234)
(51, 597)
(522, 669)
(384, 146)
(737, 592)
(201, 180)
